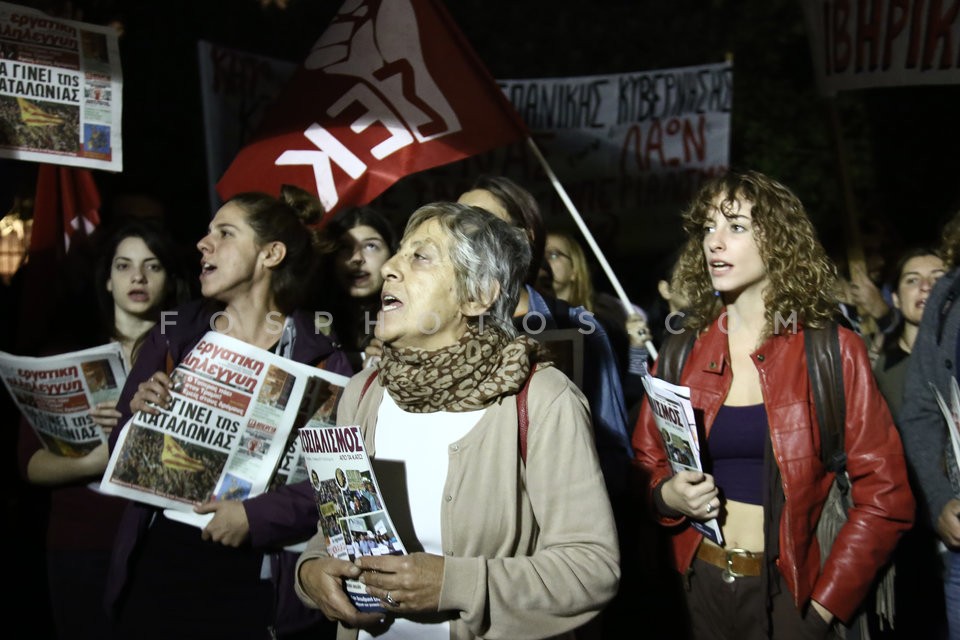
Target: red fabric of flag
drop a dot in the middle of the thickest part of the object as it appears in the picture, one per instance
(391, 88)
(67, 203)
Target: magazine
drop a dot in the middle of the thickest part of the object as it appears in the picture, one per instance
(55, 394)
(951, 414)
(353, 519)
(673, 413)
(234, 408)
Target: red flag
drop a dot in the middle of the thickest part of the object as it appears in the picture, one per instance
(66, 203)
(391, 88)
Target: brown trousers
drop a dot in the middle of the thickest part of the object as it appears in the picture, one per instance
(736, 611)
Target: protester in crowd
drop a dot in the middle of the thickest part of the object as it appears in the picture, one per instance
(359, 240)
(536, 312)
(499, 547)
(752, 261)
(925, 431)
(918, 615)
(571, 281)
(914, 276)
(570, 277)
(137, 275)
(228, 580)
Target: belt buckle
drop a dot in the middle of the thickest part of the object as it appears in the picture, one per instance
(729, 575)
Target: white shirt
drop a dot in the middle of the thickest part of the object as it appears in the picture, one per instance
(411, 468)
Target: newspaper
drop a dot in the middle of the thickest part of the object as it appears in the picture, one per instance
(951, 414)
(55, 394)
(673, 413)
(353, 518)
(61, 89)
(234, 407)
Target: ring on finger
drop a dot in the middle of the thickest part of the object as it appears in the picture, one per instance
(709, 507)
(390, 600)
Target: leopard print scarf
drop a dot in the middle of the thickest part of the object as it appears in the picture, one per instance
(470, 375)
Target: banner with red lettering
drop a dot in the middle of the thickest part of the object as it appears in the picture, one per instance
(883, 43)
(630, 124)
(390, 88)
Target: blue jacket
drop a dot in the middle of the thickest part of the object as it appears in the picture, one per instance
(601, 386)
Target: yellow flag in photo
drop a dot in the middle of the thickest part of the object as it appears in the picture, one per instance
(175, 457)
(33, 116)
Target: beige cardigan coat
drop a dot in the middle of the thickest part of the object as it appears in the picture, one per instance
(530, 552)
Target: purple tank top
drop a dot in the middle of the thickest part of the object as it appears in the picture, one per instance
(736, 447)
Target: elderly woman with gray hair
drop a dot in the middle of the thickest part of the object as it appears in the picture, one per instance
(501, 546)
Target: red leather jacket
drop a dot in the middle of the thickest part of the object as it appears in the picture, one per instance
(883, 503)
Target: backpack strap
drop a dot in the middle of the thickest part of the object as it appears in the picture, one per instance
(673, 355)
(825, 369)
(366, 385)
(523, 418)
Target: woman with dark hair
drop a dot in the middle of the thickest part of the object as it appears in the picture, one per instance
(500, 547)
(116, 322)
(916, 558)
(914, 276)
(756, 279)
(137, 275)
(227, 580)
(359, 240)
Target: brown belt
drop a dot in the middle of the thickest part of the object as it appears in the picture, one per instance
(737, 563)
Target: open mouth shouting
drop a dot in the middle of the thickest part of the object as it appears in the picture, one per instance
(389, 302)
(206, 268)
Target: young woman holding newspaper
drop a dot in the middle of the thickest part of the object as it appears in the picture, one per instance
(751, 261)
(502, 548)
(171, 579)
(137, 274)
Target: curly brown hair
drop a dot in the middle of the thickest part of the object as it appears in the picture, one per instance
(803, 280)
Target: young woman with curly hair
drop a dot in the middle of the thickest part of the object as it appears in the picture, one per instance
(756, 277)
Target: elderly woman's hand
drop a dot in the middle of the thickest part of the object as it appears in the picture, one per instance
(405, 584)
(152, 393)
(692, 493)
(322, 580)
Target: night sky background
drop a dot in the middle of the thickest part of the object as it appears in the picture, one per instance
(902, 142)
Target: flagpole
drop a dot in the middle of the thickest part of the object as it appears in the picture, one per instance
(624, 299)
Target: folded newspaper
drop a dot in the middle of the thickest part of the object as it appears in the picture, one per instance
(235, 408)
(678, 427)
(55, 394)
(353, 518)
(951, 414)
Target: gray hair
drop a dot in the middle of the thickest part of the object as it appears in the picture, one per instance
(485, 251)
